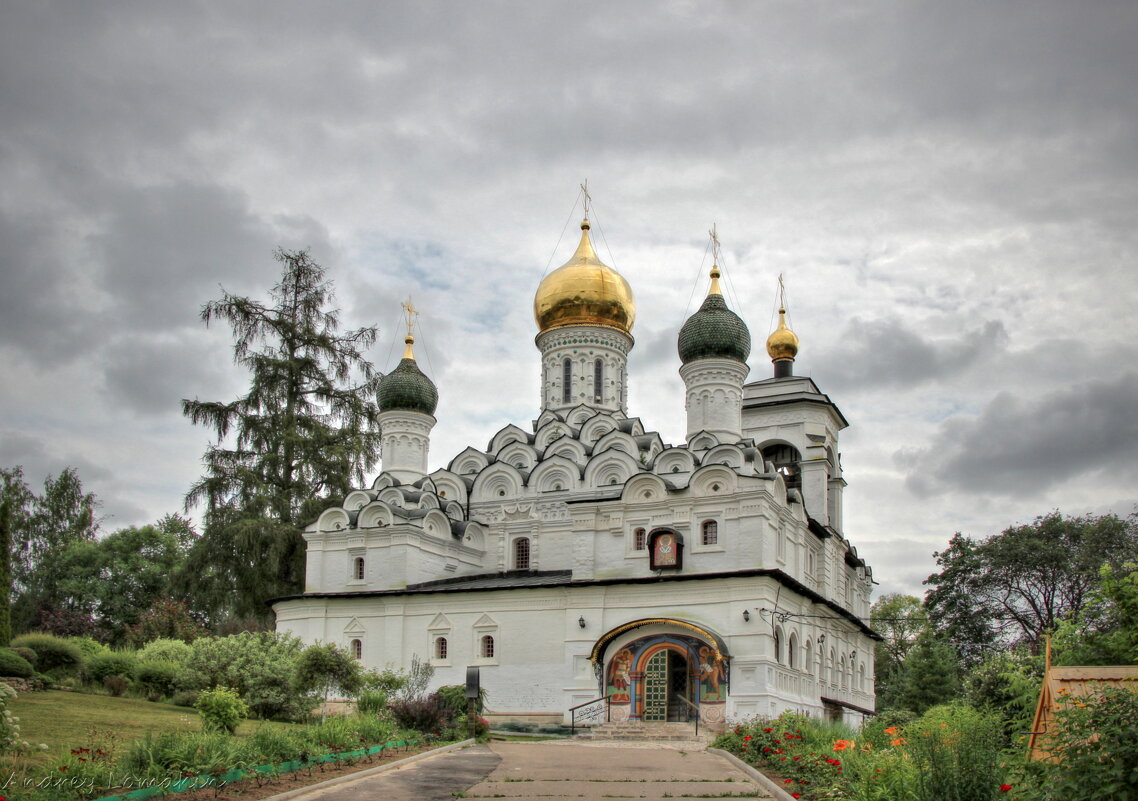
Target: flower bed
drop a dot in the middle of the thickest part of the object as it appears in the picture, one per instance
(950, 754)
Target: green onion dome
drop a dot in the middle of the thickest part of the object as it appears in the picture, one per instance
(406, 388)
(714, 332)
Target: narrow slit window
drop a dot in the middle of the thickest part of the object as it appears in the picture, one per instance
(440, 648)
(488, 647)
(358, 568)
(566, 381)
(357, 649)
(598, 381)
(639, 539)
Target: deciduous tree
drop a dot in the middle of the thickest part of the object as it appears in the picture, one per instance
(1018, 585)
(900, 620)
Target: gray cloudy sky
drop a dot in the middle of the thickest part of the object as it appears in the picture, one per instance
(949, 188)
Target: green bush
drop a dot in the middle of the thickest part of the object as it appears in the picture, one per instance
(185, 698)
(165, 650)
(26, 653)
(157, 678)
(89, 646)
(259, 666)
(12, 664)
(221, 709)
(276, 744)
(956, 752)
(387, 681)
(54, 655)
(114, 663)
(174, 754)
(371, 702)
(453, 697)
(1094, 741)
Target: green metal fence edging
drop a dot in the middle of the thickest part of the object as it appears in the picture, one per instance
(213, 780)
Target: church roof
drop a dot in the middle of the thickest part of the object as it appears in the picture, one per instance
(406, 388)
(714, 332)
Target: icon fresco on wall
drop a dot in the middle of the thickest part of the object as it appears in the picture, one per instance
(625, 676)
(620, 676)
(712, 673)
(666, 549)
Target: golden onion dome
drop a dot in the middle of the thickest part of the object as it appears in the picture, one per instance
(584, 291)
(782, 345)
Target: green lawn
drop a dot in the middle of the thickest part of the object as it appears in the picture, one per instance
(66, 720)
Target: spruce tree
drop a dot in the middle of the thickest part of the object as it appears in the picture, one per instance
(303, 432)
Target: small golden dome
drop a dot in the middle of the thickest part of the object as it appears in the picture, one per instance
(584, 291)
(782, 345)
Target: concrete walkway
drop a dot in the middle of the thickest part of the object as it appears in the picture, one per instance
(556, 770)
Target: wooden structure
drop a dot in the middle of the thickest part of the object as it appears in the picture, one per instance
(1074, 681)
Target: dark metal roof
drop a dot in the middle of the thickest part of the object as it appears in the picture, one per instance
(564, 578)
(714, 332)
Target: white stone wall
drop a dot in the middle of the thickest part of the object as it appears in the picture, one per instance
(714, 397)
(405, 439)
(583, 345)
(541, 662)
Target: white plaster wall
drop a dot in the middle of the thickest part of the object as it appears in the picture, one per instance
(538, 667)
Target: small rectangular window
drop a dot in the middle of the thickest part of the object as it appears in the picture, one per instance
(710, 533)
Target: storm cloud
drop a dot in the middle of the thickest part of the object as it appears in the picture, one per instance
(949, 191)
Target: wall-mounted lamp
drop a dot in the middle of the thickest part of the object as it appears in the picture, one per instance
(746, 616)
(822, 639)
(581, 621)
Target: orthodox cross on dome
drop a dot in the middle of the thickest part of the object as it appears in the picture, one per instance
(588, 197)
(714, 234)
(781, 294)
(412, 313)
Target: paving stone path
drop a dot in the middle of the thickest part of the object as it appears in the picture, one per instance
(555, 770)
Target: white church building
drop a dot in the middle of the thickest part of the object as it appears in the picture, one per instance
(586, 558)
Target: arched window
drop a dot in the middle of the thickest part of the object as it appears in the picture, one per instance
(710, 533)
(440, 647)
(785, 459)
(357, 649)
(833, 668)
(598, 380)
(791, 650)
(566, 381)
(842, 671)
(358, 568)
(808, 658)
(487, 647)
(521, 553)
(861, 677)
(639, 541)
(778, 645)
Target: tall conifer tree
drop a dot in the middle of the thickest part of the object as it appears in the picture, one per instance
(303, 432)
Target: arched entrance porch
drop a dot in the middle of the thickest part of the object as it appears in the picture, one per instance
(662, 670)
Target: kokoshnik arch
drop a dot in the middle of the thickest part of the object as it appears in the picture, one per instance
(585, 557)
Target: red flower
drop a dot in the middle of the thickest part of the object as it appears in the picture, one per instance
(789, 781)
(766, 750)
(795, 795)
(768, 731)
(63, 768)
(1004, 788)
(748, 737)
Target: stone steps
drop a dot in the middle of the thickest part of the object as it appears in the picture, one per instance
(642, 731)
